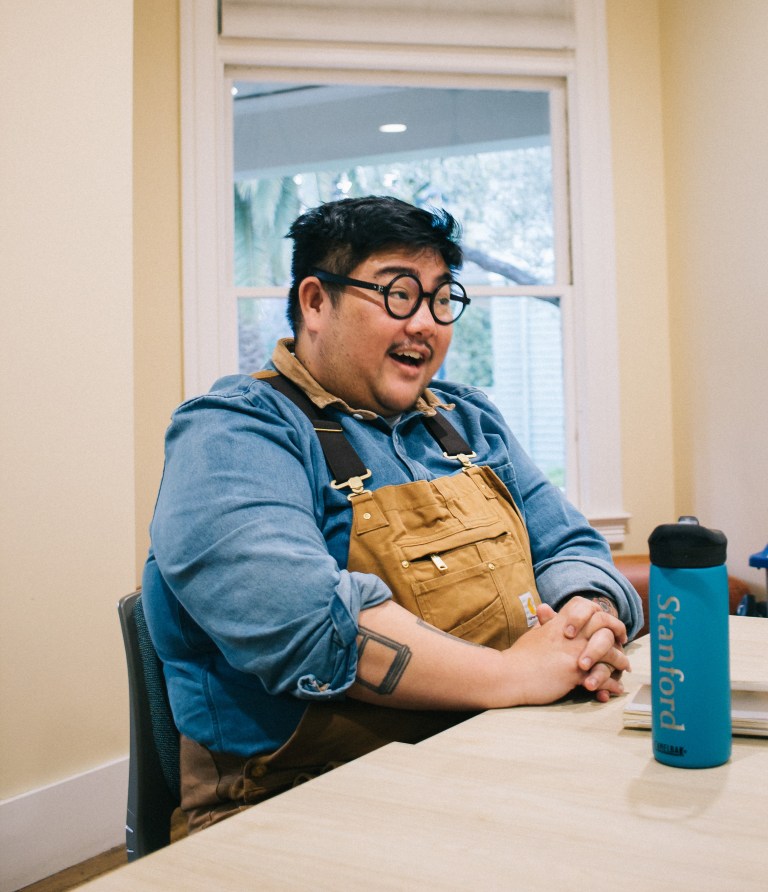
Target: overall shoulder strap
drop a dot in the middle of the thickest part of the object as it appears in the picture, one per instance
(343, 462)
(448, 438)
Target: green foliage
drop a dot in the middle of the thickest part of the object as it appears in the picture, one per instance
(470, 359)
(502, 199)
(264, 209)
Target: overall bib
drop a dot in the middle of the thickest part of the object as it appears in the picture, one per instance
(454, 551)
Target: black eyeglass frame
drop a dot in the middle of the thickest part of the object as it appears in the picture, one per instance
(333, 279)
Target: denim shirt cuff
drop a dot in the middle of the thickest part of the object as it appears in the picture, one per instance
(310, 688)
(356, 592)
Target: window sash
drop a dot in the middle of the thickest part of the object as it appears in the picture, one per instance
(576, 54)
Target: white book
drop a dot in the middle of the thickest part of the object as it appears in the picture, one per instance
(748, 641)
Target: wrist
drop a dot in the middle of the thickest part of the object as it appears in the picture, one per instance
(604, 603)
(517, 676)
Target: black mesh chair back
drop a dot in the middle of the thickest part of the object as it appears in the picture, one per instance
(153, 775)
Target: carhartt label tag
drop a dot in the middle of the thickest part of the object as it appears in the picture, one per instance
(529, 606)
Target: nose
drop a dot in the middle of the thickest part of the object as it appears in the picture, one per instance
(422, 322)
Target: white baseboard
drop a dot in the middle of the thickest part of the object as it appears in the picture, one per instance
(47, 830)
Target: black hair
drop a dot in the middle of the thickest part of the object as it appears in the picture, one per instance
(337, 236)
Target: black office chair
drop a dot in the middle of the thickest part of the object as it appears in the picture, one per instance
(153, 775)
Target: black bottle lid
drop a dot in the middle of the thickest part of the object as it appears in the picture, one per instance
(686, 544)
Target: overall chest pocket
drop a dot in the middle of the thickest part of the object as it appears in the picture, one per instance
(454, 552)
(474, 591)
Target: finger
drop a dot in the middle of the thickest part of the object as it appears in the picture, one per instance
(596, 648)
(603, 696)
(604, 678)
(609, 690)
(602, 620)
(583, 617)
(619, 660)
(575, 614)
(602, 647)
(613, 656)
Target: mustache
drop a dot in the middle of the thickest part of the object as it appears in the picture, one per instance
(426, 350)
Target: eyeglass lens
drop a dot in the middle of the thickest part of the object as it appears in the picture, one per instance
(404, 292)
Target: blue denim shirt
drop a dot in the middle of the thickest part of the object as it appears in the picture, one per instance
(245, 588)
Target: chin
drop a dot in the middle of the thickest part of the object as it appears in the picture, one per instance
(398, 406)
(401, 397)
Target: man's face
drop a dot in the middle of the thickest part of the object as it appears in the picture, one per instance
(358, 352)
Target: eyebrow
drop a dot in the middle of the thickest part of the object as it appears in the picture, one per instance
(400, 270)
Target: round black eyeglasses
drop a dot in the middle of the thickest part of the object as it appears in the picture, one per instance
(404, 294)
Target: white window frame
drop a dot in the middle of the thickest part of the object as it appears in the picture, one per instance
(539, 49)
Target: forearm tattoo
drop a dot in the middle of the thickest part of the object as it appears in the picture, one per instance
(394, 655)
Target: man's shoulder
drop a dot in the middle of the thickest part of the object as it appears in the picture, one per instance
(236, 383)
(227, 390)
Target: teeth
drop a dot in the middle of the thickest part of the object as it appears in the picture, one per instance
(411, 354)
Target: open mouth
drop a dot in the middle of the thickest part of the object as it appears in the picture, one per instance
(408, 357)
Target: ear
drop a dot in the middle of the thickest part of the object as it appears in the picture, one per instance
(314, 303)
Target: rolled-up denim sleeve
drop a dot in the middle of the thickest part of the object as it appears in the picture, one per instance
(236, 538)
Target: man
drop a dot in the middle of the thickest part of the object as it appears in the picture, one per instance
(343, 555)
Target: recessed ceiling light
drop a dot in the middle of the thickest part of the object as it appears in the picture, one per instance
(393, 128)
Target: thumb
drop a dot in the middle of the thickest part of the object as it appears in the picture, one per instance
(545, 613)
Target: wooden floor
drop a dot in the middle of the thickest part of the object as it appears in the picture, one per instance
(79, 874)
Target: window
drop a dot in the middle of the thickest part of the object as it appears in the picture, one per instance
(485, 155)
(496, 47)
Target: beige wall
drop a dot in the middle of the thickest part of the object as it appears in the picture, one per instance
(90, 253)
(158, 372)
(689, 83)
(715, 76)
(66, 446)
(90, 256)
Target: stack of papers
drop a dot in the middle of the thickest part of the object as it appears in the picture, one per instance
(749, 678)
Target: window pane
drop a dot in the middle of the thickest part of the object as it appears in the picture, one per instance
(485, 155)
(511, 347)
(261, 322)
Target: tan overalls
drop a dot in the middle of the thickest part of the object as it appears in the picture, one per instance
(455, 552)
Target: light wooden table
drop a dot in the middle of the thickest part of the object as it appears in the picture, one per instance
(557, 797)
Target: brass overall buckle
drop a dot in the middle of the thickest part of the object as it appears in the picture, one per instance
(464, 458)
(354, 483)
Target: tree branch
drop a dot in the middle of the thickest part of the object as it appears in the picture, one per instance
(502, 268)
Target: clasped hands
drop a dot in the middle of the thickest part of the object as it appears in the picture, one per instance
(602, 660)
(581, 645)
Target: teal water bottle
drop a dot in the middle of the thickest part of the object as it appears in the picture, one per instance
(690, 665)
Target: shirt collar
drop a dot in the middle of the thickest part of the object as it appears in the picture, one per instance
(285, 361)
